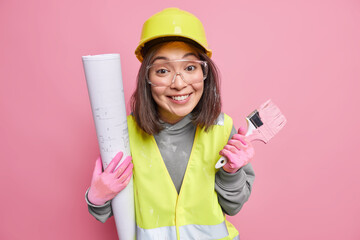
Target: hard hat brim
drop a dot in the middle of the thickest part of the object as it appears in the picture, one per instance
(169, 37)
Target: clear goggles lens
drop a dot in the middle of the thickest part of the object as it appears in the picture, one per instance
(164, 73)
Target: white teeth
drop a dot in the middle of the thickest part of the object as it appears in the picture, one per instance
(180, 98)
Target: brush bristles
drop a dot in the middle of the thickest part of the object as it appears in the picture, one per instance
(272, 118)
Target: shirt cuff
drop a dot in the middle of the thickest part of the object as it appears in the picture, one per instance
(93, 205)
(231, 181)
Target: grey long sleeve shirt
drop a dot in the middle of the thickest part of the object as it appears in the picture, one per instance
(175, 144)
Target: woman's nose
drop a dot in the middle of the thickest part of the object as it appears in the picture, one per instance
(178, 81)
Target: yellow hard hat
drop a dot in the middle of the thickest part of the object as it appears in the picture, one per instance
(172, 22)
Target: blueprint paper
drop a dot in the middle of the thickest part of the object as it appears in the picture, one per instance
(105, 87)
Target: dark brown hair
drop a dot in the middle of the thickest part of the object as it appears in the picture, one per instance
(144, 108)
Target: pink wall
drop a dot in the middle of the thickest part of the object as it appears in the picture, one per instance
(304, 55)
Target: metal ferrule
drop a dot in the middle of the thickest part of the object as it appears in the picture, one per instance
(255, 119)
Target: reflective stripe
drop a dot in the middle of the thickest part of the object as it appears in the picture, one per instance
(220, 120)
(161, 233)
(202, 232)
(187, 232)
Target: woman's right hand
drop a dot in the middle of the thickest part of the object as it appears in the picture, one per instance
(106, 185)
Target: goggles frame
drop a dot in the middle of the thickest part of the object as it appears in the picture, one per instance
(204, 68)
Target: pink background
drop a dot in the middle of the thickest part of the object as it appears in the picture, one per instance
(304, 55)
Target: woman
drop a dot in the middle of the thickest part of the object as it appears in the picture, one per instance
(177, 133)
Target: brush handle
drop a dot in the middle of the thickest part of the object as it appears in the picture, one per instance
(250, 128)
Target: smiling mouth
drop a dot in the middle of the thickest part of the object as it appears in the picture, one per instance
(180, 98)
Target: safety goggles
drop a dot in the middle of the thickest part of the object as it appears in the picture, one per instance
(163, 73)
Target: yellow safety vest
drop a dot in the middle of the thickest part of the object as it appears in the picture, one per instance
(161, 213)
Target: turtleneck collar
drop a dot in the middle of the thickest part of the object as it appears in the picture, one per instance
(181, 126)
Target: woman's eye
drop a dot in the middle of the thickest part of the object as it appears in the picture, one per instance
(161, 71)
(190, 68)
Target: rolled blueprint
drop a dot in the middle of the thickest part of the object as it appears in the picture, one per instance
(106, 92)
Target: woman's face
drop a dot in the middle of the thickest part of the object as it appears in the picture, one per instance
(179, 98)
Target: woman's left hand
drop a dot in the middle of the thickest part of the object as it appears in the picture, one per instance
(238, 151)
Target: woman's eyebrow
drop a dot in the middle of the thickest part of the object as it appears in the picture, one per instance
(159, 57)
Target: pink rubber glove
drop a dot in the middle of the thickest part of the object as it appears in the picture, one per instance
(106, 185)
(238, 151)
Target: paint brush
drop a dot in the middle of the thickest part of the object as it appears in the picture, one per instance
(263, 124)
